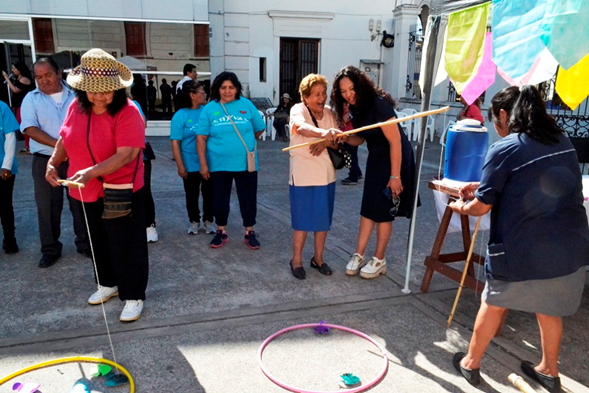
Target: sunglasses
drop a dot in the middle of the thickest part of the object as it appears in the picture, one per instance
(395, 209)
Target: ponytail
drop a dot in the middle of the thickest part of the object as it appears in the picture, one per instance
(526, 113)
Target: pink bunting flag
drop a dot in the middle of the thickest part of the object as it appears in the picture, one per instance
(485, 76)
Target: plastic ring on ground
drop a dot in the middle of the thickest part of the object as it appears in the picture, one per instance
(75, 359)
(362, 388)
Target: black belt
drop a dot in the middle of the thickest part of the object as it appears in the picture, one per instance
(41, 155)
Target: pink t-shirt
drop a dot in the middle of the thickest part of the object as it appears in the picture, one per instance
(107, 133)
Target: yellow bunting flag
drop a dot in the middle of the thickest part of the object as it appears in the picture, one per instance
(572, 85)
(464, 44)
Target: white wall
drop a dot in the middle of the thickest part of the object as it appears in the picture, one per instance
(245, 30)
(181, 10)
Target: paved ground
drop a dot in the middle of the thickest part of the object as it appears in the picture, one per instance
(209, 310)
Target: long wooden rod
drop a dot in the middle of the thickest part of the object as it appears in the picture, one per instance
(468, 259)
(375, 125)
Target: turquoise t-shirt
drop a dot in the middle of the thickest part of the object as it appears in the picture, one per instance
(8, 124)
(225, 151)
(183, 128)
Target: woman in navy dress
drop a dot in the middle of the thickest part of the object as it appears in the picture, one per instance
(389, 167)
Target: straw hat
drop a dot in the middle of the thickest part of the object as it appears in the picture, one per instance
(99, 72)
(286, 95)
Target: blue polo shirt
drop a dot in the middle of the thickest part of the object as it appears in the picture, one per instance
(8, 124)
(40, 110)
(225, 150)
(538, 223)
(183, 129)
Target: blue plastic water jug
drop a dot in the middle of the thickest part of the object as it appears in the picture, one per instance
(466, 147)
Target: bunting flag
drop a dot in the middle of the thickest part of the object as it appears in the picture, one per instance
(564, 30)
(464, 44)
(572, 85)
(485, 77)
(516, 35)
(543, 69)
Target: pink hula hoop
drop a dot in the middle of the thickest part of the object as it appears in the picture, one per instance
(362, 388)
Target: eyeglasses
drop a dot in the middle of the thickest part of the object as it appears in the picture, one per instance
(199, 92)
(395, 209)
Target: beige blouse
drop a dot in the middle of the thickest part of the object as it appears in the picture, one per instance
(306, 169)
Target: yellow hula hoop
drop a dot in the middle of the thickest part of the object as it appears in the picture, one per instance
(74, 359)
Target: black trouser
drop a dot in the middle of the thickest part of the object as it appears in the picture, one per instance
(6, 210)
(120, 248)
(149, 205)
(279, 125)
(49, 202)
(193, 185)
(246, 184)
(355, 170)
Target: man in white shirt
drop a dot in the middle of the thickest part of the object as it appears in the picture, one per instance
(43, 111)
(189, 74)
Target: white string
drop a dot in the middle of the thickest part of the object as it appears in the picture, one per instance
(98, 280)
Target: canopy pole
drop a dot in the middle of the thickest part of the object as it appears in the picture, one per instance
(428, 78)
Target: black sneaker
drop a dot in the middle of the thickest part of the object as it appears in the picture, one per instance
(250, 240)
(219, 239)
(349, 182)
(10, 246)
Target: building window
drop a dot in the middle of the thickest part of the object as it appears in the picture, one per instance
(262, 69)
(135, 37)
(43, 31)
(201, 40)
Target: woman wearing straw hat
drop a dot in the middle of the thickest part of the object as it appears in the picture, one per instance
(102, 136)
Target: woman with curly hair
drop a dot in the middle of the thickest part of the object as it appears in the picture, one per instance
(388, 182)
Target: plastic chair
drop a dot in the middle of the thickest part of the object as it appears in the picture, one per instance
(270, 124)
(442, 141)
(411, 130)
(404, 126)
(431, 121)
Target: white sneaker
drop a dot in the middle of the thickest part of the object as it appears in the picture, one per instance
(132, 311)
(210, 227)
(193, 228)
(103, 294)
(355, 264)
(152, 234)
(374, 268)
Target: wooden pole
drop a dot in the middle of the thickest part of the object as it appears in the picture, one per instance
(384, 123)
(69, 183)
(468, 258)
(520, 383)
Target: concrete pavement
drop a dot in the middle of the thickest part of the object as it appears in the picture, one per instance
(208, 311)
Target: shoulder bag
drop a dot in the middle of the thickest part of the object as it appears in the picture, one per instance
(251, 155)
(117, 197)
(339, 157)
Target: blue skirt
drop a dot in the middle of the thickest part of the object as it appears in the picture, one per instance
(311, 207)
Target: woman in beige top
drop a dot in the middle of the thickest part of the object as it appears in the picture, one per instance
(312, 175)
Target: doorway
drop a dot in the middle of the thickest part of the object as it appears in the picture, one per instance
(298, 58)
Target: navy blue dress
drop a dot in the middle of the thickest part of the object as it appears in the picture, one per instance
(375, 205)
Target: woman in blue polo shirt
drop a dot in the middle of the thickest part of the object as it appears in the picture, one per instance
(229, 124)
(191, 100)
(8, 171)
(539, 239)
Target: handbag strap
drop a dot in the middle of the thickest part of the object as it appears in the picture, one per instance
(339, 145)
(236, 130)
(92, 155)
